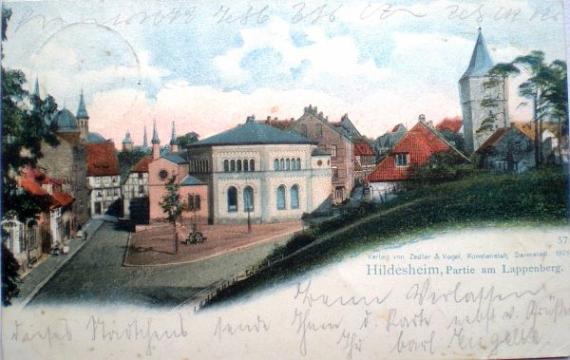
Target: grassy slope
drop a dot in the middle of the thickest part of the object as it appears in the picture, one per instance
(534, 197)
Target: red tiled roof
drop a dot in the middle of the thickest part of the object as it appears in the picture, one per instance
(31, 181)
(142, 165)
(450, 124)
(363, 149)
(32, 187)
(102, 159)
(420, 143)
(61, 198)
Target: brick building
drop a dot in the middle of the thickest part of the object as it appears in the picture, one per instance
(334, 138)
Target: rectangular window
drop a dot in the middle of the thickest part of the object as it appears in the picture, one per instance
(141, 189)
(140, 175)
(401, 159)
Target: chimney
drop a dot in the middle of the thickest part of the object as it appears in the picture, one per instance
(422, 118)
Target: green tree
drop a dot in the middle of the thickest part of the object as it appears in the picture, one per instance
(545, 87)
(24, 128)
(187, 139)
(172, 206)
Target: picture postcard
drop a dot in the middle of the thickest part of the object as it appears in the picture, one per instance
(302, 179)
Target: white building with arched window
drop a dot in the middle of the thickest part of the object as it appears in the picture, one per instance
(262, 172)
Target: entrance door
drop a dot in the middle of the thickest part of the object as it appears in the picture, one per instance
(97, 208)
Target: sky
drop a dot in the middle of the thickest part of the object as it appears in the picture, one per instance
(207, 65)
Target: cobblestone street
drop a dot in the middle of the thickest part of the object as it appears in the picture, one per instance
(96, 275)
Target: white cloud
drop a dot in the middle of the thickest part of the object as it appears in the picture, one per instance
(326, 61)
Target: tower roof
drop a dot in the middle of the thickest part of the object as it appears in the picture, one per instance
(81, 109)
(155, 139)
(127, 139)
(481, 61)
(37, 88)
(145, 141)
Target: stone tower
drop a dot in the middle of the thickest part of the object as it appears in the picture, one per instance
(484, 98)
(128, 142)
(82, 118)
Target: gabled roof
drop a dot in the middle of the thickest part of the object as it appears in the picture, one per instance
(31, 181)
(346, 126)
(452, 125)
(481, 61)
(142, 165)
(253, 133)
(102, 159)
(363, 149)
(525, 129)
(420, 143)
(191, 180)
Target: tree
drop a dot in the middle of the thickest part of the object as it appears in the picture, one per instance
(172, 206)
(24, 128)
(187, 139)
(545, 88)
(10, 276)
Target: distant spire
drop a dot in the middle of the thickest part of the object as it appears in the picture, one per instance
(145, 141)
(173, 140)
(37, 88)
(81, 109)
(481, 61)
(155, 139)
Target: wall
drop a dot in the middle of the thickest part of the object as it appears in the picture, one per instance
(330, 137)
(472, 92)
(156, 185)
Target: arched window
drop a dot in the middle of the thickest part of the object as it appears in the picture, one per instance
(282, 165)
(226, 166)
(248, 199)
(298, 164)
(288, 164)
(251, 165)
(295, 197)
(239, 165)
(232, 165)
(245, 165)
(281, 198)
(232, 199)
(275, 164)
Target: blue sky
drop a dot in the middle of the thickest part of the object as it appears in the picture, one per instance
(207, 64)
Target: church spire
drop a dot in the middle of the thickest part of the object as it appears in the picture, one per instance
(81, 109)
(155, 142)
(36, 88)
(145, 141)
(155, 139)
(173, 140)
(481, 61)
(173, 136)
